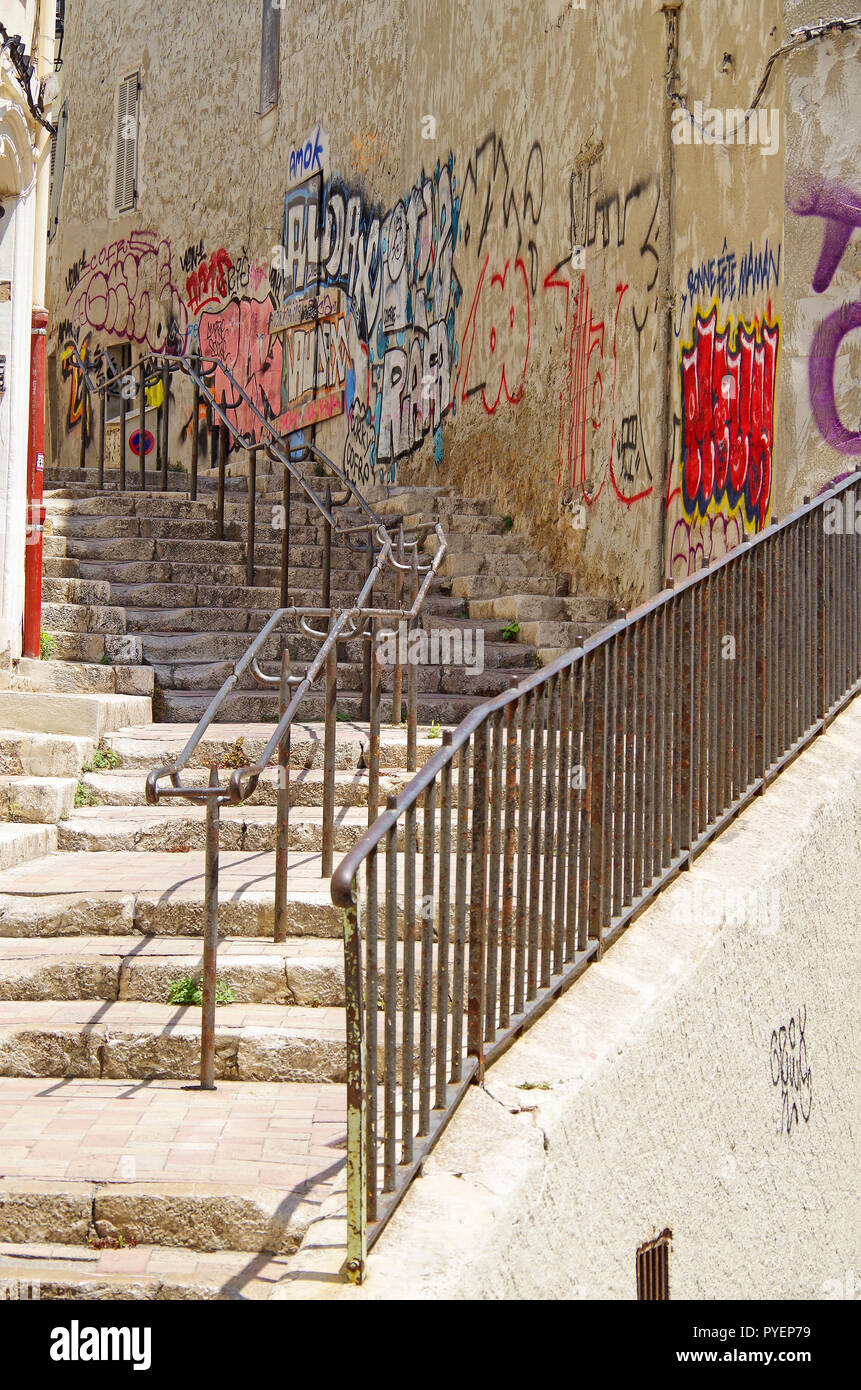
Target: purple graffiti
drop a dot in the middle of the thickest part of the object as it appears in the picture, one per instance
(840, 208)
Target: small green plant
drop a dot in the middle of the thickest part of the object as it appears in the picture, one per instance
(270, 718)
(47, 645)
(538, 661)
(159, 706)
(404, 712)
(175, 468)
(190, 991)
(508, 522)
(319, 470)
(106, 660)
(511, 631)
(117, 1242)
(434, 730)
(343, 718)
(464, 610)
(533, 1086)
(235, 755)
(85, 796)
(381, 1003)
(104, 759)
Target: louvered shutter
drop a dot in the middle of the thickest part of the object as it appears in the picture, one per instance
(58, 165)
(125, 181)
(270, 51)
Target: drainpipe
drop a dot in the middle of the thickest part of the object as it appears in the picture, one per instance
(44, 57)
(668, 175)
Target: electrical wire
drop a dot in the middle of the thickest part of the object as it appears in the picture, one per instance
(797, 38)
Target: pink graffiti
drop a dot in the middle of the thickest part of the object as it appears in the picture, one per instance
(238, 335)
(695, 543)
(127, 291)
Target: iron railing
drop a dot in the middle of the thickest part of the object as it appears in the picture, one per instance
(388, 551)
(555, 812)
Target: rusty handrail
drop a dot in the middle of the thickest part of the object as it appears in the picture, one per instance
(567, 803)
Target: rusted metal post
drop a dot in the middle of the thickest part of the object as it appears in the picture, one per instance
(329, 736)
(412, 672)
(356, 1099)
(478, 903)
(103, 405)
(252, 507)
(365, 711)
(210, 939)
(195, 441)
(285, 538)
(327, 552)
(85, 410)
(222, 472)
(282, 823)
(397, 673)
(165, 424)
(142, 426)
(124, 408)
(373, 754)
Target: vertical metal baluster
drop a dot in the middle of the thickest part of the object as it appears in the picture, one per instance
(329, 737)
(639, 787)
(743, 609)
(426, 996)
(494, 874)
(630, 694)
(584, 893)
(617, 657)
(648, 790)
(327, 552)
(365, 710)
(457, 992)
(562, 846)
(165, 424)
(670, 828)
(443, 925)
(412, 672)
(141, 427)
(549, 809)
(285, 537)
(760, 677)
(251, 518)
(390, 1021)
(398, 672)
(661, 687)
(210, 939)
(575, 797)
(372, 927)
(103, 406)
(723, 687)
(686, 719)
(508, 872)
(478, 902)
(700, 705)
(282, 812)
(781, 621)
(360, 1159)
(409, 985)
(222, 475)
(535, 805)
(527, 715)
(195, 441)
(598, 809)
(124, 412)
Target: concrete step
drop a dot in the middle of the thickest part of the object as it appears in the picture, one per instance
(82, 716)
(142, 1041)
(36, 800)
(76, 677)
(20, 843)
(25, 754)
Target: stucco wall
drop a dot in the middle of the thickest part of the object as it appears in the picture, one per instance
(652, 1095)
(488, 141)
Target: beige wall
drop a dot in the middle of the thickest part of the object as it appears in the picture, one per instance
(545, 381)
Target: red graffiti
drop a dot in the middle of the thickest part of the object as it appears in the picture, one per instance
(728, 416)
(208, 284)
(238, 335)
(497, 333)
(583, 387)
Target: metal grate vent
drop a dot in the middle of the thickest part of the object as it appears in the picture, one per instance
(653, 1268)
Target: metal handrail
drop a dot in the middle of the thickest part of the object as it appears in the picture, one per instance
(642, 709)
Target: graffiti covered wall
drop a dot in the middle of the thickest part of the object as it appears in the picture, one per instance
(464, 273)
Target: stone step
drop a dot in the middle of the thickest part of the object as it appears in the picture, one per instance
(126, 788)
(53, 547)
(488, 588)
(95, 592)
(77, 617)
(126, 504)
(348, 568)
(214, 595)
(147, 1273)
(121, 649)
(181, 706)
(559, 636)
(25, 754)
(454, 679)
(20, 843)
(36, 800)
(76, 677)
(300, 971)
(82, 716)
(526, 607)
(142, 1041)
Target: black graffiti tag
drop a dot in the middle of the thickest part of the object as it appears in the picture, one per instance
(790, 1070)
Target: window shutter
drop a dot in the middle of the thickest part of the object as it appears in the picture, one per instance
(270, 52)
(125, 180)
(58, 165)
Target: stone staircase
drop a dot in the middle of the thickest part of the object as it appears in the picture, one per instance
(118, 1177)
(137, 577)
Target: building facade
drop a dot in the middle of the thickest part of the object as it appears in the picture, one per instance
(544, 253)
